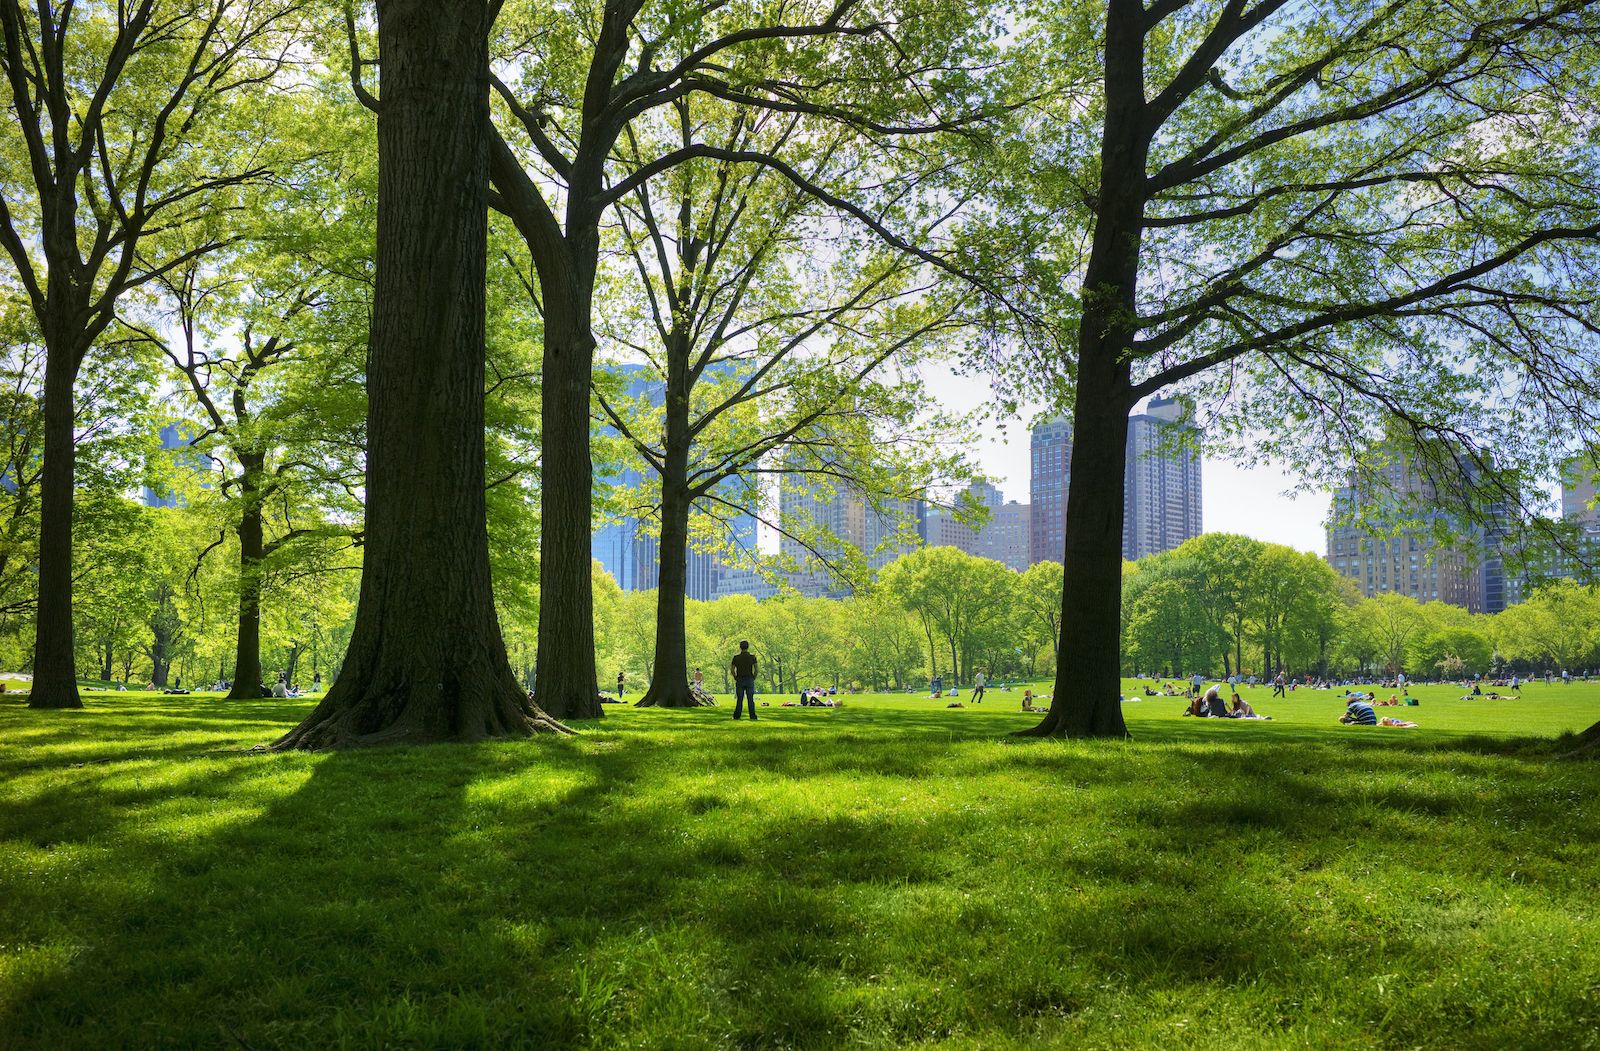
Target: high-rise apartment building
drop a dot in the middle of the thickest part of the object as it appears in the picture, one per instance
(1161, 486)
(629, 550)
(1161, 483)
(1008, 535)
(1578, 494)
(1051, 463)
(1407, 563)
(848, 519)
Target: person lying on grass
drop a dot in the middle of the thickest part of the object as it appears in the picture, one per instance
(1391, 721)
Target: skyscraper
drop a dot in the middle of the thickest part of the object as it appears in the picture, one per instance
(1161, 484)
(175, 438)
(1408, 563)
(1161, 497)
(848, 519)
(1008, 535)
(1578, 493)
(627, 549)
(1051, 461)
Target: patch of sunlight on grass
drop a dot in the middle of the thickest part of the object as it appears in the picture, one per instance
(888, 874)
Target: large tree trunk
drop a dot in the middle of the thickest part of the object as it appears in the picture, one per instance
(426, 660)
(669, 687)
(567, 687)
(55, 675)
(1088, 685)
(247, 649)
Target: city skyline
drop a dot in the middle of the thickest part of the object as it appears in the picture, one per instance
(1265, 502)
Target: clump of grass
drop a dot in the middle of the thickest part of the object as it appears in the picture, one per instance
(885, 875)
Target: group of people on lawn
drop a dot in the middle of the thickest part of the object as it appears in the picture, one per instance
(1210, 705)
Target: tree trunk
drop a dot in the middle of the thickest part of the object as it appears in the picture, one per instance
(567, 687)
(55, 674)
(426, 660)
(669, 682)
(291, 662)
(1088, 683)
(669, 686)
(247, 649)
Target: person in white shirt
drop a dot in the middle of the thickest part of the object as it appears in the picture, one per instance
(977, 689)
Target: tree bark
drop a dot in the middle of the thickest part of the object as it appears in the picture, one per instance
(247, 649)
(55, 678)
(567, 687)
(426, 660)
(669, 687)
(1088, 684)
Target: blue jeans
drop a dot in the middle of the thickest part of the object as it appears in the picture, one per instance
(744, 687)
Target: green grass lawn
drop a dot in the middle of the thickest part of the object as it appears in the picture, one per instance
(888, 874)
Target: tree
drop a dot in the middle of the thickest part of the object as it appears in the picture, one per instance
(574, 99)
(957, 595)
(426, 660)
(276, 450)
(759, 344)
(1225, 563)
(1347, 218)
(116, 137)
(1450, 652)
(1168, 625)
(1398, 621)
(1558, 626)
(113, 430)
(885, 644)
(1039, 597)
(723, 623)
(1292, 600)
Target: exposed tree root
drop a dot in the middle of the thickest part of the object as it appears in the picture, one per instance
(669, 698)
(419, 714)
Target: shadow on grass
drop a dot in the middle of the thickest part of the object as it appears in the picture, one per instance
(794, 884)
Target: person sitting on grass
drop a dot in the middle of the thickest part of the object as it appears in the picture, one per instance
(1242, 710)
(1209, 704)
(1391, 701)
(1359, 713)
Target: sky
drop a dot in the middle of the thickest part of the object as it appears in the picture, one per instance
(1234, 499)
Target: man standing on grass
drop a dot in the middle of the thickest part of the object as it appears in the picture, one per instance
(743, 666)
(977, 689)
(1277, 685)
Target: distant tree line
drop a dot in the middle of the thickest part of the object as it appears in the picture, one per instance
(1222, 604)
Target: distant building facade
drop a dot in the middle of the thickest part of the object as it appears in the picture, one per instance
(1050, 460)
(1578, 493)
(175, 438)
(1408, 563)
(1161, 495)
(629, 550)
(1161, 490)
(848, 519)
(1008, 536)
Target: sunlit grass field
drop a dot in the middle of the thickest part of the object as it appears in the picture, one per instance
(892, 873)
